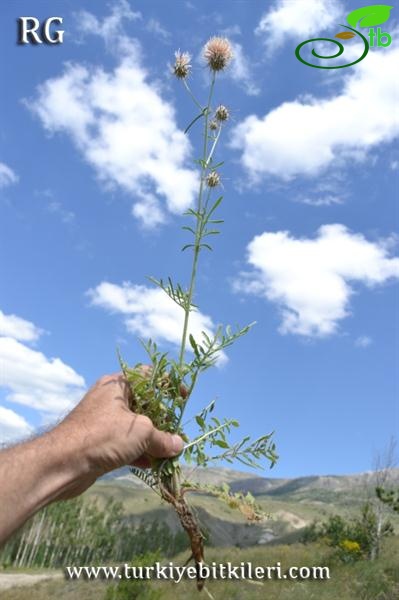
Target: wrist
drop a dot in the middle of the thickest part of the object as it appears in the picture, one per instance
(72, 451)
(60, 466)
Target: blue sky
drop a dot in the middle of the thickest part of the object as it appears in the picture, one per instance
(95, 172)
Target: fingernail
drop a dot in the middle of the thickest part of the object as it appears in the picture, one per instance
(177, 443)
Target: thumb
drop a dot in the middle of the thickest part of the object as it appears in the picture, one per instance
(164, 445)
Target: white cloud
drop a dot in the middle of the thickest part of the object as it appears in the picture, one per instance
(55, 207)
(47, 385)
(300, 19)
(18, 329)
(327, 200)
(122, 126)
(7, 176)
(307, 135)
(150, 313)
(12, 426)
(154, 26)
(30, 378)
(363, 341)
(149, 211)
(240, 70)
(231, 31)
(311, 280)
(111, 27)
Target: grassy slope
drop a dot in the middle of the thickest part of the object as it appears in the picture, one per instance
(291, 504)
(360, 581)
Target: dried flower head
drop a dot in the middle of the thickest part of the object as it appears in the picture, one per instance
(213, 125)
(218, 53)
(222, 113)
(182, 65)
(213, 179)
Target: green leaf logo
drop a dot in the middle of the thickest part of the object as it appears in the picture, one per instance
(369, 16)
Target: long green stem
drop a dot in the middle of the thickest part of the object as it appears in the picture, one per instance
(208, 160)
(208, 434)
(198, 229)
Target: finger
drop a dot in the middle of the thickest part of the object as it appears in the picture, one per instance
(164, 445)
(113, 378)
(116, 379)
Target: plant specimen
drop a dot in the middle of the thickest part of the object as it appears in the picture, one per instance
(162, 389)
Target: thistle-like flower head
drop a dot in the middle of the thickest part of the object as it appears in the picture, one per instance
(218, 53)
(213, 125)
(213, 179)
(222, 113)
(182, 65)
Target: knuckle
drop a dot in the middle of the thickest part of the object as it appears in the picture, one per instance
(105, 379)
(146, 423)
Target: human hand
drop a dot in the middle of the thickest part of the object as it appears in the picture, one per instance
(99, 435)
(106, 434)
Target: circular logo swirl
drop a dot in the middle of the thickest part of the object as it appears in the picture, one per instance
(338, 53)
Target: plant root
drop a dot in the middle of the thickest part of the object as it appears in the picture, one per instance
(191, 527)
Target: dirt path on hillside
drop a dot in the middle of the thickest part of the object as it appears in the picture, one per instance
(9, 580)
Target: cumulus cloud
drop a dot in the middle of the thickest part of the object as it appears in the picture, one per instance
(312, 280)
(45, 384)
(149, 211)
(30, 378)
(17, 328)
(299, 20)
(150, 313)
(122, 126)
(7, 176)
(307, 135)
(12, 426)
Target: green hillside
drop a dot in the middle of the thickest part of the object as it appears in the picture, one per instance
(291, 504)
(360, 581)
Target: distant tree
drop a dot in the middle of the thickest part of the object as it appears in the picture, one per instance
(388, 497)
(352, 539)
(80, 532)
(384, 463)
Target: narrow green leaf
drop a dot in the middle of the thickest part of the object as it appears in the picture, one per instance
(221, 444)
(200, 421)
(214, 207)
(194, 121)
(192, 341)
(190, 229)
